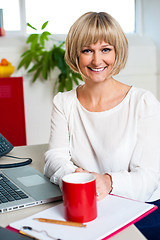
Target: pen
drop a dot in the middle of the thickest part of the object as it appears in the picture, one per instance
(73, 224)
(38, 231)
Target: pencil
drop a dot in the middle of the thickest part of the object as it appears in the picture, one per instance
(73, 224)
(28, 235)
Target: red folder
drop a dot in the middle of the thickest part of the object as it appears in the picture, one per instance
(132, 222)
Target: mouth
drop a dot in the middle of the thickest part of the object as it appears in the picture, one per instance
(97, 69)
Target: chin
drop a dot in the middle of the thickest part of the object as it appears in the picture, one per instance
(100, 80)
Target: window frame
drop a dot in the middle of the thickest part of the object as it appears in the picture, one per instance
(23, 26)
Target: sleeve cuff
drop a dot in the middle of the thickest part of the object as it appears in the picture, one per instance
(57, 177)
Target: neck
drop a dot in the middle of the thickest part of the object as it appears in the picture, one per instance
(103, 96)
(97, 91)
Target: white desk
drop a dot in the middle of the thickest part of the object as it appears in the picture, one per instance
(36, 152)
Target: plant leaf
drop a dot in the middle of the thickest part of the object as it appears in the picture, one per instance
(43, 37)
(29, 25)
(69, 84)
(58, 57)
(32, 38)
(26, 60)
(51, 61)
(61, 83)
(45, 67)
(35, 66)
(61, 45)
(44, 25)
(36, 75)
(25, 53)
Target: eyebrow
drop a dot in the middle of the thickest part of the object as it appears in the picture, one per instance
(105, 45)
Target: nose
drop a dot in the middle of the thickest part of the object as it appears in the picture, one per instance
(96, 59)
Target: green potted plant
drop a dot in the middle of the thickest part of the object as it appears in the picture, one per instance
(40, 61)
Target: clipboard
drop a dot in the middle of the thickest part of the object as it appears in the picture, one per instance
(114, 214)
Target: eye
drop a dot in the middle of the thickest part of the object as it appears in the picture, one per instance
(106, 50)
(86, 50)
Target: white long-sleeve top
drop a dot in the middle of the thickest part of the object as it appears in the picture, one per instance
(123, 141)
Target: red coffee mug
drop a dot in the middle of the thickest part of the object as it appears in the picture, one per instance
(79, 197)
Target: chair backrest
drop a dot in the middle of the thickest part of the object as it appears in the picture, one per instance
(12, 113)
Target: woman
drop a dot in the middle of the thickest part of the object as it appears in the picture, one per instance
(104, 126)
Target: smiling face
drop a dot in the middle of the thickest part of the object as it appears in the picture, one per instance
(88, 30)
(96, 61)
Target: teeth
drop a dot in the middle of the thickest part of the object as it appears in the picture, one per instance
(97, 69)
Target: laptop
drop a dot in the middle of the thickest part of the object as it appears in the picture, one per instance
(25, 187)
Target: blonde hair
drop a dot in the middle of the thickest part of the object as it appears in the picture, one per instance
(89, 29)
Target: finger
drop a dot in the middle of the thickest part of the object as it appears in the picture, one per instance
(79, 170)
(101, 196)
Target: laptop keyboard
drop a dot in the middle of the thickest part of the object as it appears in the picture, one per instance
(9, 191)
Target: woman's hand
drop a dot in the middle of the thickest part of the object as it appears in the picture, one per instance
(103, 183)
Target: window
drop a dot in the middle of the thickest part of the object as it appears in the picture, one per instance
(11, 14)
(62, 14)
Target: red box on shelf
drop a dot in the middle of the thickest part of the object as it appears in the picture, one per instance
(12, 116)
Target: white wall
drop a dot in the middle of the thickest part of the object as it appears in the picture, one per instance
(151, 28)
(141, 67)
(140, 71)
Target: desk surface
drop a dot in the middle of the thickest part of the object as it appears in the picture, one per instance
(36, 152)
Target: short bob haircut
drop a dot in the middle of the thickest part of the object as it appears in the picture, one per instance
(90, 28)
